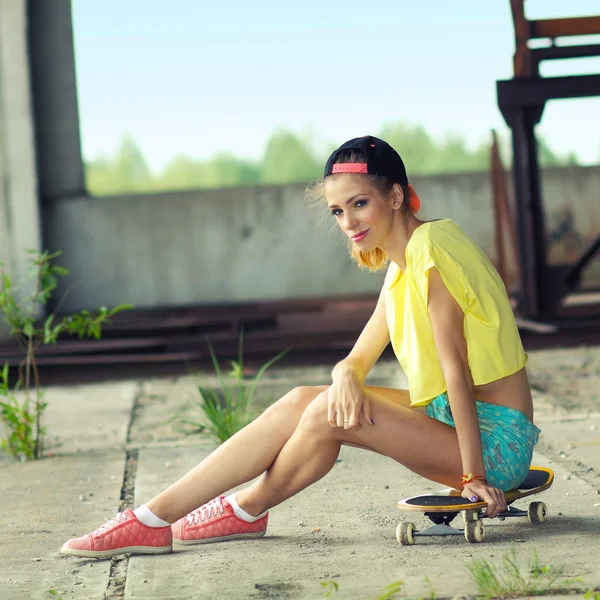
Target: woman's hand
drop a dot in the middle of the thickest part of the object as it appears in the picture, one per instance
(347, 399)
(494, 498)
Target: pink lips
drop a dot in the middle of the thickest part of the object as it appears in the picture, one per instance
(360, 236)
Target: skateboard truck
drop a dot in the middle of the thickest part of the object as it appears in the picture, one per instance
(511, 511)
(441, 525)
(474, 530)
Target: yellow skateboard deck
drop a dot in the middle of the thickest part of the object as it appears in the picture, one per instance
(443, 506)
(450, 500)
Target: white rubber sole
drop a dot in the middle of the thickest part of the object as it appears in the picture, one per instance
(238, 536)
(117, 551)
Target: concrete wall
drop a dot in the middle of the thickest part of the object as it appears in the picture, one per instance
(19, 214)
(264, 243)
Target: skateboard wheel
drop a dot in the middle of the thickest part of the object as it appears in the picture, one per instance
(474, 532)
(470, 516)
(405, 534)
(537, 513)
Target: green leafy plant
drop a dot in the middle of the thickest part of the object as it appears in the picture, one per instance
(390, 592)
(229, 407)
(508, 581)
(331, 588)
(432, 595)
(22, 419)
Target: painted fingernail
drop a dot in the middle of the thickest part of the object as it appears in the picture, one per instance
(474, 498)
(372, 422)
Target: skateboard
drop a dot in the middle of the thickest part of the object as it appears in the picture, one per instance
(442, 507)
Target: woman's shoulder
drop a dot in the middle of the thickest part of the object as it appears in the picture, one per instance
(444, 236)
(442, 230)
(429, 236)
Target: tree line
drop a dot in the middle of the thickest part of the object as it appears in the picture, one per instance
(289, 158)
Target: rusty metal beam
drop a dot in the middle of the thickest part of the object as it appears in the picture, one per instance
(523, 64)
(526, 60)
(522, 100)
(503, 219)
(564, 52)
(496, 176)
(553, 28)
(535, 92)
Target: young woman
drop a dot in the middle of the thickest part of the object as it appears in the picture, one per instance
(466, 420)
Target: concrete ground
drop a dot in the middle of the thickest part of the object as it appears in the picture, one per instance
(117, 444)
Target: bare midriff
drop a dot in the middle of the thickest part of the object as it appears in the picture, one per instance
(512, 391)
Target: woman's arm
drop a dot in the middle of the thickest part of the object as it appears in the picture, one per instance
(447, 320)
(346, 394)
(368, 347)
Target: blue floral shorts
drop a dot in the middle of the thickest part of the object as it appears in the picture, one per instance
(507, 440)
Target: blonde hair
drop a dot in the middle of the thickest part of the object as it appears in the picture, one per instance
(314, 195)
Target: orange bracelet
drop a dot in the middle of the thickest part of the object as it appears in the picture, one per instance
(470, 477)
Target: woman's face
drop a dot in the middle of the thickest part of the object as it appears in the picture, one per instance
(362, 213)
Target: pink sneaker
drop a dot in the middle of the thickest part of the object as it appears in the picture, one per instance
(122, 535)
(215, 521)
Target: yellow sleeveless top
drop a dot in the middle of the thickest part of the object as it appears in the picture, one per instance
(494, 346)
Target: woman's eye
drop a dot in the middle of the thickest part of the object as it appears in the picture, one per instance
(336, 212)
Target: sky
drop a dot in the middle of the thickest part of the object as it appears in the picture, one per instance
(195, 77)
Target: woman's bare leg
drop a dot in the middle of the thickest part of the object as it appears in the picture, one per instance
(422, 444)
(241, 458)
(296, 447)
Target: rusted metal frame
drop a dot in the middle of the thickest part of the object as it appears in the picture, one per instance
(526, 60)
(553, 28)
(523, 65)
(503, 218)
(529, 211)
(496, 176)
(573, 275)
(522, 102)
(515, 93)
(565, 52)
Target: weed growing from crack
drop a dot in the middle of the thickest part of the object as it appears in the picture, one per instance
(331, 588)
(498, 582)
(390, 592)
(21, 419)
(228, 409)
(509, 581)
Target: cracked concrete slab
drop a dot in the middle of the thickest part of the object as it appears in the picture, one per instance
(343, 528)
(574, 441)
(569, 375)
(45, 503)
(65, 495)
(86, 417)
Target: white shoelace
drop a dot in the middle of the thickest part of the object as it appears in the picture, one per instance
(118, 519)
(200, 514)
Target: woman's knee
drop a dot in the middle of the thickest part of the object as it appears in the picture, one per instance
(314, 416)
(297, 400)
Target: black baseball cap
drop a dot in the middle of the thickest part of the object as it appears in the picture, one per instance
(381, 159)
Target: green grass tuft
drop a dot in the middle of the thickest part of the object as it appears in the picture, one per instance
(507, 580)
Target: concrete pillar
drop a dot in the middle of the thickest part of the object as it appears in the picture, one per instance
(54, 100)
(19, 207)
